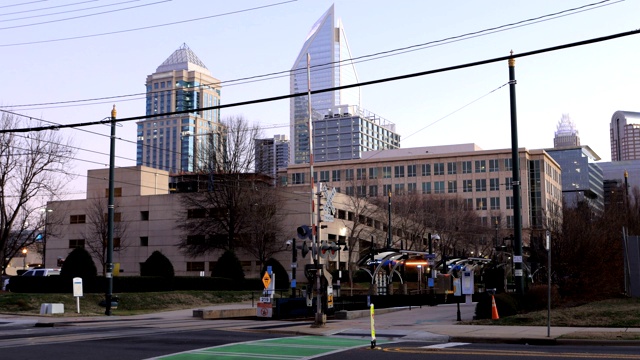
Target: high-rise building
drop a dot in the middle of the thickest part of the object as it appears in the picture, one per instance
(345, 130)
(272, 154)
(181, 142)
(566, 133)
(582, 178)
(625, 136)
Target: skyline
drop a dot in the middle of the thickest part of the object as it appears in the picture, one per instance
(589, 82)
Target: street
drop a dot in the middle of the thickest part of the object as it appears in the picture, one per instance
(249, 339)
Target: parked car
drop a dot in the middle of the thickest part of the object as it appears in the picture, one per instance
(41, 272)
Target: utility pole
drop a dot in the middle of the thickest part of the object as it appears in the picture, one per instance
(517, 222)
(389, 232)
(294, 265)
(110, 215)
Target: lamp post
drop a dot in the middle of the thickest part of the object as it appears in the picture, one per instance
(44, 237)
(24, 258)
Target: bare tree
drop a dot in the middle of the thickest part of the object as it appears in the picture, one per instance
(32, 169)
(224, 213)
(96, 234)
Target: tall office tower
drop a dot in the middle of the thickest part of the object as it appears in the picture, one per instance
(272, 154)
(331, 66)
(625, 136)
(187, 142)
(566, 133)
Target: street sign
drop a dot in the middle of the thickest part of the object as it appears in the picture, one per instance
(430, 256)
(517, 258)
(266, 280)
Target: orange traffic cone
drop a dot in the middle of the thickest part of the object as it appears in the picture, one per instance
(494, 309)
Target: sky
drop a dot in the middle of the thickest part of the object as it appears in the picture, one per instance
(244, 38)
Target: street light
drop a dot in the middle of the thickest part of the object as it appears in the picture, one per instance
(44, 237)
(24, 258)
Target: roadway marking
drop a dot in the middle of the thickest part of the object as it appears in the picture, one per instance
(289, 348)
(445, 345)
(510, 353)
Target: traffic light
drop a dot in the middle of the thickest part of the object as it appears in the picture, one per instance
(304, 232)
(304, 249)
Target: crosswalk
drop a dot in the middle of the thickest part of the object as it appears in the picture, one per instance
(290, 348)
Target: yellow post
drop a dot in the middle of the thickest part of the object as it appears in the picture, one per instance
(373, 330)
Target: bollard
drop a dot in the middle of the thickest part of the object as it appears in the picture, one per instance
(373, 330)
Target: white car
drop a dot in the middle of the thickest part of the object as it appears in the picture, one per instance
(41, 272)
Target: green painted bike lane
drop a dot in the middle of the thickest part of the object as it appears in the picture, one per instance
(281, 348)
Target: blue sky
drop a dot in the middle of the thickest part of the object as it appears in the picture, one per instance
(589, 83)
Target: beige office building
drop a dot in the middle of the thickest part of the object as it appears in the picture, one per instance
(481, 178)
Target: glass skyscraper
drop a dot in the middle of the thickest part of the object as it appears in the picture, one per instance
(180, 143)
(331, 66)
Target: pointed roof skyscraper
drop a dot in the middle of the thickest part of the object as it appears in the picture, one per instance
(183, 59)
(326, 43)
(566, 133)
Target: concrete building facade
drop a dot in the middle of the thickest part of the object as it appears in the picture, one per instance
(182, 142)
(481, 178)
(143, 201)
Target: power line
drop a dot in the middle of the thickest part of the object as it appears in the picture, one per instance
(366, 83)
(84, 16)
(67, 11)
(147, 27)
(50, 7)
(20, 4)
(359, 59)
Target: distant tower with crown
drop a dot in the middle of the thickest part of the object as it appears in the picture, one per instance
(566, 133)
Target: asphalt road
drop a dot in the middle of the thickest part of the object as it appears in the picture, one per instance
(247, 339)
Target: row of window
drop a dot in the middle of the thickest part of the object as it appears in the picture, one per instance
(401, 171)
(117, 217)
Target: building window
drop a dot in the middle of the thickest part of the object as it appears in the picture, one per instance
(349, 190)
(494, 165)
(494, 184)
(196, 213)
(426, 169)
(348, 174)
(324, 176)
(373, 190)
(297, 178)
(117, 192)
(361, 190)
(508, 183)
(144, 241)
(116, 243)
(467, 186)
(509, 202)
(144, 215)
(412, 188)
(466, 167)
(481, 204)
(77, 219)
(76, 243)
(495, 203)
(452, 186)
(438, 187)
(452, 168)
(481, 184)
(386, 189)
(481, 166)
(508, 165)
(195, 239)
(399, 171)
(411, 170)
(386, 172)
(495, 220)
(195, 265)
(373, 173)
(426, 188)
(438, 169)
(335, 175)
(361, 174)
(117, 217)
(399, 189)
(510, 220)
(468, 204)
